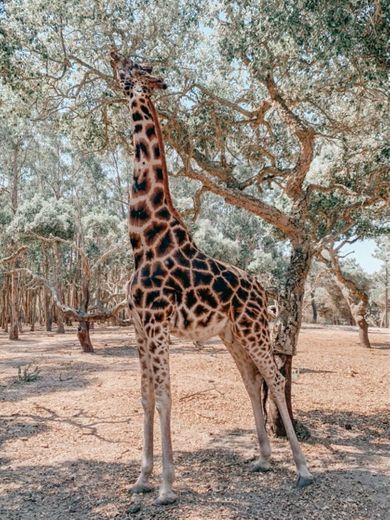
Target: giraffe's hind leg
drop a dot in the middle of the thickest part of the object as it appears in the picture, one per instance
(158, 346)
(262, 357)
(253, 382)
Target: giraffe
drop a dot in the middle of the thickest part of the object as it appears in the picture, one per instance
(177, 289)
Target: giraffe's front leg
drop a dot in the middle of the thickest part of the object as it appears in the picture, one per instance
(148, 403)
(159, 347)
(163, 404)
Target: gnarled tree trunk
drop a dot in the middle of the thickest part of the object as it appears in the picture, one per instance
(286, 329)
(359, 312)
(84, 337)
(355, 297)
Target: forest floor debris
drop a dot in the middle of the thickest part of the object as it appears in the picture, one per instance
(71, 438)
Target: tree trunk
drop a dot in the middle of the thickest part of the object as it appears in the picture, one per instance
(386, 296)
(14, 325)
(84, 337)
(363, 333)
(48, 311)
(273, 417)
(46, 294)
(359, 312)
(33, 311)
(313, 306)
(6, 303)
(356, 298)
(84, 326)
(286, 330)
(60, 288)
(60, 322)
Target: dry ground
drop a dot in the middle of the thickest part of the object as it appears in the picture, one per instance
(71, 440)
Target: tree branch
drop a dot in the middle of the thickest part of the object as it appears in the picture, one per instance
(76, 314)
(243, 200)
(303, 133)
(13, 256)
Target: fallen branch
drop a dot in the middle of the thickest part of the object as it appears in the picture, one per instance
(190, 396)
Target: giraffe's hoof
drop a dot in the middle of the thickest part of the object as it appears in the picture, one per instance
(304, 481)
(142, 488)
(260, 466)
(166, 498)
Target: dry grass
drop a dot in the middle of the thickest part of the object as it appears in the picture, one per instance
(71, 438)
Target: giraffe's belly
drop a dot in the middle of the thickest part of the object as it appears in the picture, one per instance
(196, 329)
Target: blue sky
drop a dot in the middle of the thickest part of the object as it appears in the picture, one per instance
(362, 252)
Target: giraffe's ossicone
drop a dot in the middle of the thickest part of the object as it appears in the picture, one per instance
(177, 289)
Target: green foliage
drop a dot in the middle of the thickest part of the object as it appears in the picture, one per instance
(214, 243)
(354, 272)
(66, 158)
(48, 218)
(102, 225)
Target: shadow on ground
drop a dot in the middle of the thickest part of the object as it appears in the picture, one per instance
(313, 371)
(368, 434)
(55, 377)
(210, 483)
(380, 346)
(25, 425)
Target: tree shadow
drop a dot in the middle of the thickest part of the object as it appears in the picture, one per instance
(19, 427)
(125, 351)
(24, 425)
(79, 489)
(23, 340)
(211, 350)
(380, 346)
(214, 347)
(211, 483)
(55, 376)
(312, 371)
(368, 434)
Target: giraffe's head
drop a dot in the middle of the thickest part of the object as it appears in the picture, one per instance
(134, 78)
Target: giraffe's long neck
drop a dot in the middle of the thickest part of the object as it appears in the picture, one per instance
(152, 213)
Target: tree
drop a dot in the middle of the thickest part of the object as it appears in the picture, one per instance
(280, 131)
(285, 120)
(354, 291)
(74, 264)
(382, 288)
(329, 303)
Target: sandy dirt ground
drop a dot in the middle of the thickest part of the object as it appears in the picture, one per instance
(71, 439)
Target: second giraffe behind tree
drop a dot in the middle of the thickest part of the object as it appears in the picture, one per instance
(177, 289)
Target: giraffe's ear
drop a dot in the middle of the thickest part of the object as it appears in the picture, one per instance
(146, 67)
(114, 56)
(114, 61)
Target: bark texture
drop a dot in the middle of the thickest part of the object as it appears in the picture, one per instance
(286, 329)
(84, 337)
(14, 318)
